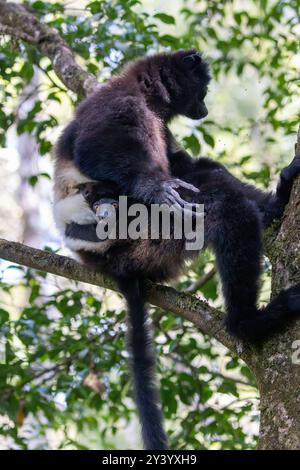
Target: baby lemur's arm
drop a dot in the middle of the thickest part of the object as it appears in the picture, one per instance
(86, 232)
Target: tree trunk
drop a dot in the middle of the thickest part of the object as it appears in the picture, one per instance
(277, 365)
(28, 198)
(279, 386)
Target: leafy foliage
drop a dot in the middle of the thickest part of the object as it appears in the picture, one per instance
(66, 362)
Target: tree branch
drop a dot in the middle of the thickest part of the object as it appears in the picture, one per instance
(17, 21)
(200, 313)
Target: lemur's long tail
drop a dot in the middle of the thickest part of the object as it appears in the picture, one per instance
(140, 345)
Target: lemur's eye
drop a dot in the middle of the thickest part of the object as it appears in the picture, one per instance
(115, 205)
(96, 206)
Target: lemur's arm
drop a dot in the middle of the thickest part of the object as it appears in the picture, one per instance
(85, 232)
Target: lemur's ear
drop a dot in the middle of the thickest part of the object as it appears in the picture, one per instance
(145, 82)
(192, 60)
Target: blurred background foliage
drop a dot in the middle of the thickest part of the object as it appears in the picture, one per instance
(63, 376)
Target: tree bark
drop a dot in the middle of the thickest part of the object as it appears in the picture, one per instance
(277, 368)
(279, 387)
(274, 365)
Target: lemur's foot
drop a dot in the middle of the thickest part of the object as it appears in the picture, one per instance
(290, 172)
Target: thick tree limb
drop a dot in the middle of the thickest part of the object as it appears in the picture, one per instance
(276, 371)
(18, 22)
(205, 317)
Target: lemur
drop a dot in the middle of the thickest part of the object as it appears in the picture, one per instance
(120, 137)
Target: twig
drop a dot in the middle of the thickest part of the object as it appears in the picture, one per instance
(201, 282)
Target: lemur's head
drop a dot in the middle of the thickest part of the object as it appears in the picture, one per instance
(102, 197)
(105, 208)
(173, 83)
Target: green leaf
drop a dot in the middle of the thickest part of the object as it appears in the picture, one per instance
(33, 180)
(27, 71)
(4, 316)
(209, 139)
(38, 5)
(168, 40)
(168, 19)
(191, 142)
(95, 7)
(45, 147)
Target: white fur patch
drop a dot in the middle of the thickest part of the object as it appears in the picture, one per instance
(75, 245)
(67, 177)
(72, 209)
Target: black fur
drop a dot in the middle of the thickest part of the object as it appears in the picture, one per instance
(85, 232)
(118, 133)
(236, 214)
(140, 345)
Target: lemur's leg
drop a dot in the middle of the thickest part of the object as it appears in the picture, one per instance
(233, 228)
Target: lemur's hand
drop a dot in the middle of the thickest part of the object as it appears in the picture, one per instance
(290, 172)
(167, 194)
(172, 196)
